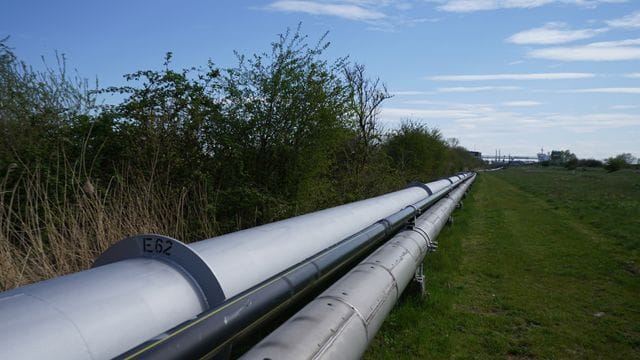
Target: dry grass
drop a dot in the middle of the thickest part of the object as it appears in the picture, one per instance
(55, 224)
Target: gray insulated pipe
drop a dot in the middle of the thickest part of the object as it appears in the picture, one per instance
(147, 284)
(340, 322)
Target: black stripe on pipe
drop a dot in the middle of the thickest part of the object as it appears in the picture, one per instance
(422, 205)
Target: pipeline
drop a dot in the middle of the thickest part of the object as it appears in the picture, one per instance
(147, 284)
(340, 322)
(213, 331)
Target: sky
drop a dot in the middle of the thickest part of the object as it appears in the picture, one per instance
(513, 75)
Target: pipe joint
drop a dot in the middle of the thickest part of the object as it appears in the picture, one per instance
(387, 225)
(421, 185)
(174, 252)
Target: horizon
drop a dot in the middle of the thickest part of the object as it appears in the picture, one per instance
(516, 76)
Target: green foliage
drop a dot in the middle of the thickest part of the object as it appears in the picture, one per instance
(628, 158)
(362, 168)
(590, 163)
(572, 163)
(285, 110)
(561, 158)
(201, 150)
(460, 159)
(165, 122)
(620, 161)
(37, 109)
(365, 97)
(615, 163)
(417, 151)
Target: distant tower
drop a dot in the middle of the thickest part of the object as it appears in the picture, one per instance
(542, 156)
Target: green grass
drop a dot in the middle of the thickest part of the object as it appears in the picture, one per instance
(541, 263)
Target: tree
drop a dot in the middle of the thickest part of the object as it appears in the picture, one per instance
(165, 120)
(286, 116)
(619, 162)
(361, 168)
(568, 156)
(453, 142)
(37, 108)
(628, 158)
(365, 97)
(590, 163)
(459, 158)
(417, 151)
(572, 163)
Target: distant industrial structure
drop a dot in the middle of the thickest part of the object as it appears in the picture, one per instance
(542, 156)
(555, 157)
(476, 154)
(500, 159)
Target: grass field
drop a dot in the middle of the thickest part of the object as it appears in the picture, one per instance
(541, 263)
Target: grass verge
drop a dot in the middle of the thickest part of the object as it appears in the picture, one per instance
(524, 275)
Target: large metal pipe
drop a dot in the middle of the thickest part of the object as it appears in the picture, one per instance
(340, 323)
(147, 284)
(214, 330)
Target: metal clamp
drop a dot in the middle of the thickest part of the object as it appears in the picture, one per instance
(418, 278)
(422, 185)
(172, 251)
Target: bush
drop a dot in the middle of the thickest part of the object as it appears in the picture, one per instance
(417, 151)
(572, 164)
(590, 163)
(614, 164)
(192, 153)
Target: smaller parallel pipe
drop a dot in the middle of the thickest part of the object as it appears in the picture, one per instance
(340, 323)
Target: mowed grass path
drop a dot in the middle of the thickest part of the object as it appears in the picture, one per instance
(521, 277)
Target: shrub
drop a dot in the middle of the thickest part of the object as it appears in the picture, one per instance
(590, 163)
(614, 164)
(572, 164)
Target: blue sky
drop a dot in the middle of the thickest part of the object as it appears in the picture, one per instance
(515, 75)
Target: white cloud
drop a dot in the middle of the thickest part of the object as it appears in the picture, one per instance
(465, 6)
(625, 107)
(629, 21)
(478, 5)
(609, 90)
(597, 121)
(552, 33)
(599, 51)
(618, 43)
(633, 75)
(484, 127)
(411, 93)
(522, 103)
(398, 114)
(343, 10)
(467, 119)
(491, 77)
(471, 89)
